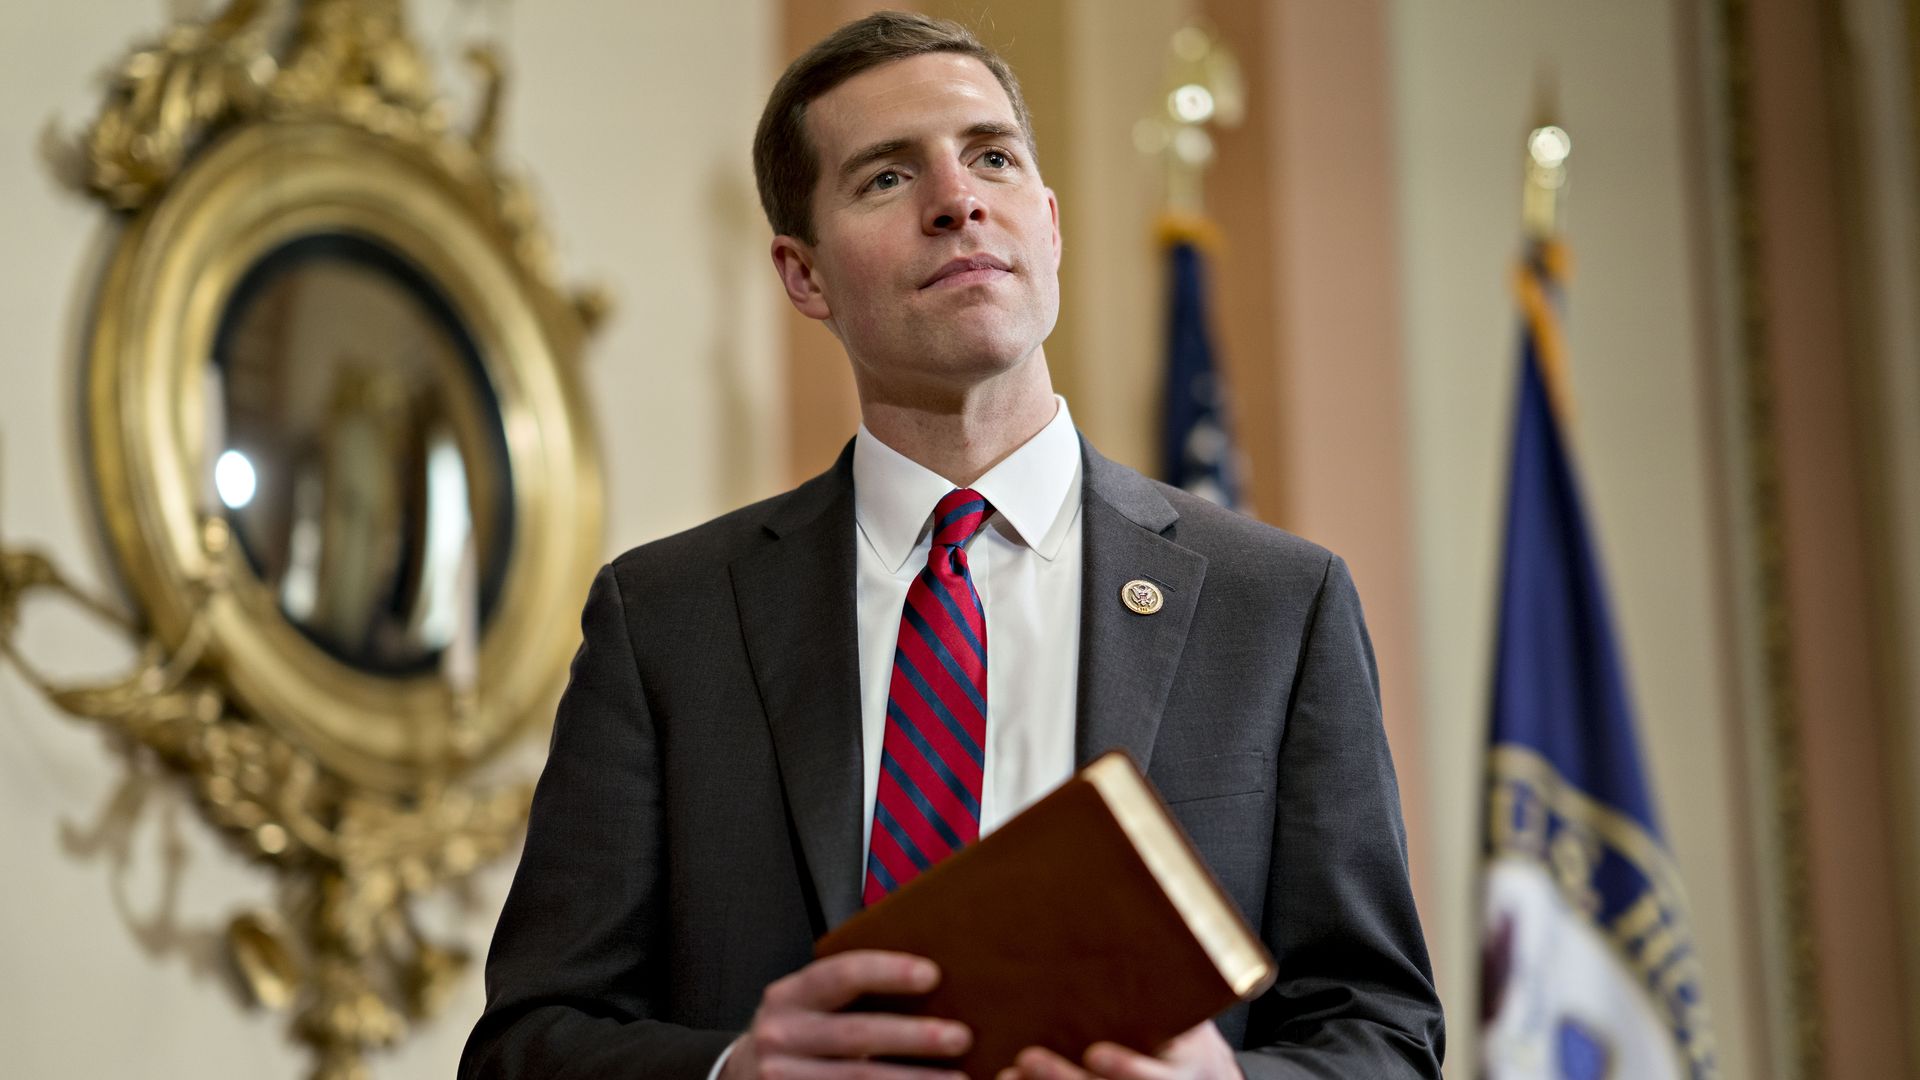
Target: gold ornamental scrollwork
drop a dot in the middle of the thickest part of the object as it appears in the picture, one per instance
(271, 154)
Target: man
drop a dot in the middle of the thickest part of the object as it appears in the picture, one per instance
(788, 711)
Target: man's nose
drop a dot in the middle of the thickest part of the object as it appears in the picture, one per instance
(954, 203)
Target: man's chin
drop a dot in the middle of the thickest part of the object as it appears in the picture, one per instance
(947, 374)
(976, 358)
(983, 331)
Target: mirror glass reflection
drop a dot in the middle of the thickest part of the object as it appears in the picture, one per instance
(358, 450)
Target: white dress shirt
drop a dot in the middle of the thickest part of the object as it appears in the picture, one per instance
(1026, 568)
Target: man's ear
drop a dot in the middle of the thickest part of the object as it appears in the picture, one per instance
(1053, 212)
(793, 261)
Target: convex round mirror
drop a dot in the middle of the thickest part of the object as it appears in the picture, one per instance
(320, 340)
(359, 453)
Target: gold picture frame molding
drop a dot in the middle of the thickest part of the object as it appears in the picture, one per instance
(159, 308)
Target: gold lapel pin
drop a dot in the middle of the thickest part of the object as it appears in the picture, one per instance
(1141, 597)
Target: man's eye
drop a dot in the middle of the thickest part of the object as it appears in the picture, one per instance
(886, 181)
(996, 159)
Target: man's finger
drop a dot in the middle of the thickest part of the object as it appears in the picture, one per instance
(855, 1035)
(1116, 1062)
(814, 1069)
(836, 981)
(1040, 1063)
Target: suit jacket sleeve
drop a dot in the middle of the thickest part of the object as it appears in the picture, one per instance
(576, 976)
(1355, 993)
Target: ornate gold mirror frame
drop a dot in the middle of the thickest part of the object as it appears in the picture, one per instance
(307, 135)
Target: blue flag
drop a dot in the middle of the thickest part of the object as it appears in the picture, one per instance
(1196, 451)
(1589, 968)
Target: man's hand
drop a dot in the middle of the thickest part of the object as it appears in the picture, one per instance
(798, 1035)
(1199, 1054)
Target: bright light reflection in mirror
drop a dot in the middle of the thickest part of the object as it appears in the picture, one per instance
(233, 478)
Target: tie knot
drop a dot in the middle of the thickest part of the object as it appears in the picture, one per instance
(959, 515)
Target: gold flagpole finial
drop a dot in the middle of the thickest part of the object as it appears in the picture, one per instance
(1543, 214)
(1543, 203)
(1201, 90)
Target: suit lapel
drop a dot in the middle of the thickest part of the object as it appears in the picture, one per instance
(1127, 661)
(796, 599)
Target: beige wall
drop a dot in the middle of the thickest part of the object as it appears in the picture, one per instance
(1465, 78)
(633, 121)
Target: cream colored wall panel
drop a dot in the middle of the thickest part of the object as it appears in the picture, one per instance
(639, 121)
(1114, 276)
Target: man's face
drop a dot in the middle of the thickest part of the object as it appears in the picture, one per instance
(937, 250)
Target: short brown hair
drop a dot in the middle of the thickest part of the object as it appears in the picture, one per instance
(786, 165)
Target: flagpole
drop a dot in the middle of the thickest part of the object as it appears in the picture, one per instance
(1545, 265)
(1543, 201)
(1202, 89)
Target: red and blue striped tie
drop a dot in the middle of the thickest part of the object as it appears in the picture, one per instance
(933, 757)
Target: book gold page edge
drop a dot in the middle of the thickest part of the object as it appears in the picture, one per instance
(1236, 954)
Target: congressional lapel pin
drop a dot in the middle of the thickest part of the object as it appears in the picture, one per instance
(1141, 597)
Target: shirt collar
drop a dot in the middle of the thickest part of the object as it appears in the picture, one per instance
(1035, 492)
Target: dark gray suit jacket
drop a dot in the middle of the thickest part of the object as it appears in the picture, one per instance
(698, 824)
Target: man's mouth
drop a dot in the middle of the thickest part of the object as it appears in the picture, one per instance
(968, 270)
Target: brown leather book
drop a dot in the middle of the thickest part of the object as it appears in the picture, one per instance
(1087, 917)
